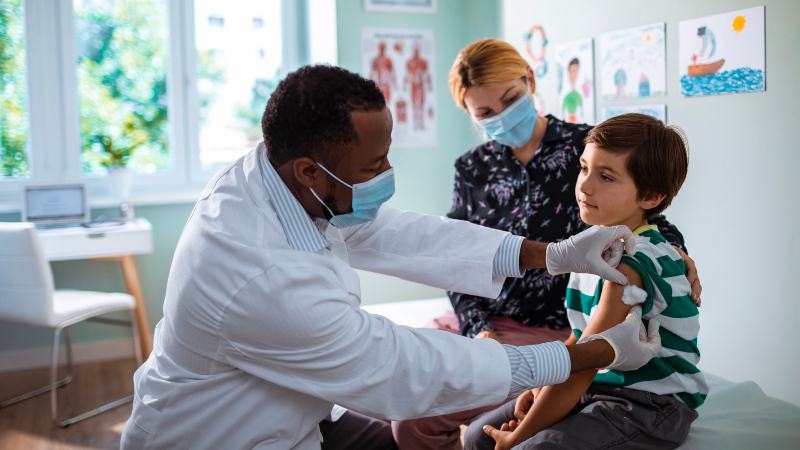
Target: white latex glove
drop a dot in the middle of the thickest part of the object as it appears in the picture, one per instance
(633, 348)
(597, 250)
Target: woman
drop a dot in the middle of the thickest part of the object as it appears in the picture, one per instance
(522, 180)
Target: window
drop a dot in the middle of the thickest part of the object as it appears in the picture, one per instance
(216, 21)
(172, 89)
(121, 50)
(233, 90)
(13, 92)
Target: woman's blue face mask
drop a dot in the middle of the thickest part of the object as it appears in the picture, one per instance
(514, 126)
(367, 199)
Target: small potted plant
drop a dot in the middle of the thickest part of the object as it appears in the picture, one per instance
(115, 151)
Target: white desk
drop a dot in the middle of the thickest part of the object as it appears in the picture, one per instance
(117, 243)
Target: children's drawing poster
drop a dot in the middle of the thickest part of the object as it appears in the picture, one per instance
(657, 111)
(402, 62)
(575, 71)
(633, 62)
(723, 54)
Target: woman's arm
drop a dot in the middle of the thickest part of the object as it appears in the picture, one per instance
(552, 403)
(675, 238)
(461, 196)
(670, 232)
(472, 313)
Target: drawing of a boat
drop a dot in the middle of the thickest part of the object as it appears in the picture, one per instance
(699, 70)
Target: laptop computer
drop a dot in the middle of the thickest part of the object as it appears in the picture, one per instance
(63, 204)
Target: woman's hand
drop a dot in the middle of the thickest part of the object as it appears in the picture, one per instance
(691, 275)
(504, 438)
(488, 334)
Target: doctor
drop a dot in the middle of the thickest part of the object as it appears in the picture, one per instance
(262, 331)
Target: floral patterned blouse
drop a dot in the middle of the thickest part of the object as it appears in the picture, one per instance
(537, 201)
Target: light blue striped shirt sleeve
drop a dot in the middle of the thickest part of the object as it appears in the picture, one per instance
(506, 260)
(534, 366)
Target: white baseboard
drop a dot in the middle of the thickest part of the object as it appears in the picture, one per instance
(33, 358)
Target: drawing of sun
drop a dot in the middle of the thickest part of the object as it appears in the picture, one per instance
(738, 24)
(647, 38)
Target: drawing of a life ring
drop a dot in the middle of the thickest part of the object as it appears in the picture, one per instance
(536, 55)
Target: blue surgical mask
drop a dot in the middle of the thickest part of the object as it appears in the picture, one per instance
(367, 199)
(514, 126)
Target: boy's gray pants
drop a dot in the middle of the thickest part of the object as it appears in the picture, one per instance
(606, 417)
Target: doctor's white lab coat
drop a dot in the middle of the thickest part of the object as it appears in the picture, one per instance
(260, 339)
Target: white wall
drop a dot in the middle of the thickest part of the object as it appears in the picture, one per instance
(739, 206)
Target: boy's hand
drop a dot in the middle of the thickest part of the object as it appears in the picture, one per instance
(691, 275)
(504, 438)
(524, 403)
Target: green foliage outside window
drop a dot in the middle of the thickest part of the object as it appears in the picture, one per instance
(122, 84)
(13, 91)
(252, 114)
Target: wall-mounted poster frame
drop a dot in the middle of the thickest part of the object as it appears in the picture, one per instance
(404, 6)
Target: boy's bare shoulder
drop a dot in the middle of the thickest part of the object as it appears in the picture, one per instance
(634, 277)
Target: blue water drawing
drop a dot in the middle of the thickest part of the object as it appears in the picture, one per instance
(739, 80)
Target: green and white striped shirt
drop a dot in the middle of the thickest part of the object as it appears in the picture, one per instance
(673, 370)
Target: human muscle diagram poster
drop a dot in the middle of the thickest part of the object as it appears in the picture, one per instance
(402, 62)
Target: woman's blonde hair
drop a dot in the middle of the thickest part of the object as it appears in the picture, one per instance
(485, 61)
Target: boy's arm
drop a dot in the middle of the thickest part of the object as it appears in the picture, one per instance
(552, 403)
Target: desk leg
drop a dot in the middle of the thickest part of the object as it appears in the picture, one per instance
(134, 288)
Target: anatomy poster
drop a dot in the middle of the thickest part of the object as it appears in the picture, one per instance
(575, 71)
(633, 62)
(723, 54)
(402, 62)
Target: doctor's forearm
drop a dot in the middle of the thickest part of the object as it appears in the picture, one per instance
(550, 363)
(533, 255)
(586, 356)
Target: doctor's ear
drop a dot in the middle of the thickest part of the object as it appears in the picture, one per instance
(307, 171)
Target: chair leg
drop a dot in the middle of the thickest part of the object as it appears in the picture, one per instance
(54, 370)
(61, 383)
(54, 367)
(56, 384)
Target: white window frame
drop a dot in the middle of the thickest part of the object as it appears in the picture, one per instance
(54, 141)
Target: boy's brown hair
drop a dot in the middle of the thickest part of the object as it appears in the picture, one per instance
(658, 156)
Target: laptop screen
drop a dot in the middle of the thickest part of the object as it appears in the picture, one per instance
(55, 203)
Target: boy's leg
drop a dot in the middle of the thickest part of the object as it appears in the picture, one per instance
(356, 431)
(476, 439)
(609, 417)
(434, 433)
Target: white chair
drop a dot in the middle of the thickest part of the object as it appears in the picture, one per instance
(27, 295)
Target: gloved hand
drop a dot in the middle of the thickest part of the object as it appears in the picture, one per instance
(633, 348)
(596, 250)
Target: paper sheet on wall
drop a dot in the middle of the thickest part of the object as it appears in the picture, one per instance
(575, 72)
(633, 62)
(657, 111)
(723, 54)
(402, 62)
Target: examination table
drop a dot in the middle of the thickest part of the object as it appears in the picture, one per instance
(735, 416)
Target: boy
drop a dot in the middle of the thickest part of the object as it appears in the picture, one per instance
(631, 169)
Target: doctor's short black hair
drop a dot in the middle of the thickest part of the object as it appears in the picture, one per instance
(309, 113)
